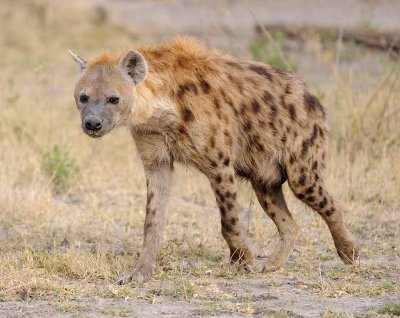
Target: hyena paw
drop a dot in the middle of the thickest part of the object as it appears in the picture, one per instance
(348, 251)
(133, 276)
(268, 264)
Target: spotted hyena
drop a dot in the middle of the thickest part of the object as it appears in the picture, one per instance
(230, 119)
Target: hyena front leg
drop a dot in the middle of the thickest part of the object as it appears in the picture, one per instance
(223, 182)
(158, 181)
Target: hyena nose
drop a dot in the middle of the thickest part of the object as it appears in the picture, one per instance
(93, 123)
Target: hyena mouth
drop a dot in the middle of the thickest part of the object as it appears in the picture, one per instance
(93, 134)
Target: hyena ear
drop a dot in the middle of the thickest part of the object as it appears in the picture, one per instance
(134, 66)
(79, 61)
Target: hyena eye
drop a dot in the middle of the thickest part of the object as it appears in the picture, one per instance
(113, 100)
(83, 98)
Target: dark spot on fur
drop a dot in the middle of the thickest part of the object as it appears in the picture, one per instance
(288, 89)
(302, 180)
(220, 195)
(182, 61)
(260, 70)
(274, 111)
(213, 164)
(320, 190)
(227, 161)
(312, 103)
(231, 179)
(216, 103)
(321, 132)
(310, 190)
(314, 134)
(304, 147)
(283, 139)
(212, 142)
(187, 87)
(292, 159)
(228, 194)
(218, 178)
(181, 91)
(187, 114)
(323, 203)
(193, 88)
(264, 189)
(273, 215)
(310, 198)
(300, 196)
(222, 210)
(182, 130)
(230, 205)
(315, 165)
(205, 86)
(233, 221)
(256, 106)
(330, 212)
(292, 112)
(247, 126)
(220, 155)
(267, 97)
(260, 147)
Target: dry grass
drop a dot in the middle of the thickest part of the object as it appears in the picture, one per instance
(70, 244)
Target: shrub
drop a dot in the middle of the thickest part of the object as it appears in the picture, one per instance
(61, 168)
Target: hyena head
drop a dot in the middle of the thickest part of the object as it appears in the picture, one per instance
(104, 93)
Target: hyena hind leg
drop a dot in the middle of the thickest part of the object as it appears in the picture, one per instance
(307, 185)
(273, 202)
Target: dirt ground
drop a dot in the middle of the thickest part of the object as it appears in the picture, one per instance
(61, 253)
(263, 300)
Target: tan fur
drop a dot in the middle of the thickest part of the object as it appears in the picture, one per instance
(228, 119)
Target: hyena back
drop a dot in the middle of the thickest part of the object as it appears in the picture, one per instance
(185, 103)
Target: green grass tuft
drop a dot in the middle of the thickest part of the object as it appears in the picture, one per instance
(60, 166)
(391, 309)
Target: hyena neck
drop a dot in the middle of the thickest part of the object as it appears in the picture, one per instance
(153, 109)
